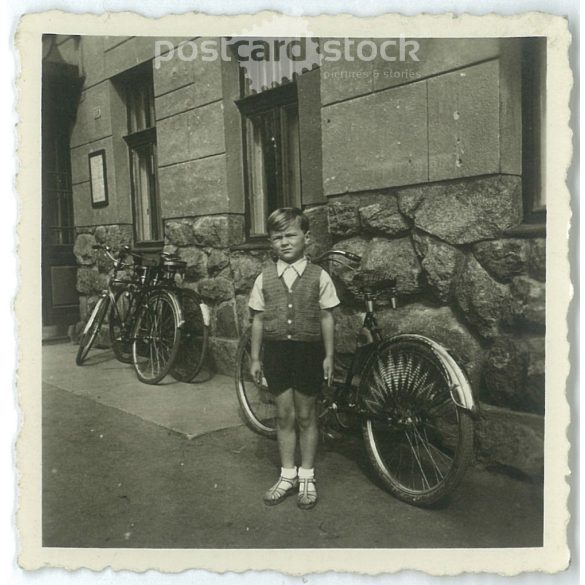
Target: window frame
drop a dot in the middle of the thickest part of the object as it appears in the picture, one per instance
(274, 99)
(533, 74)
(137, 139)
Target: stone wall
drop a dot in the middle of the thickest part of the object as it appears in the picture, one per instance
(222, 276)
(94, 268)
(463, 282)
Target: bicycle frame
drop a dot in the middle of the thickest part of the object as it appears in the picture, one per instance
(345, 394)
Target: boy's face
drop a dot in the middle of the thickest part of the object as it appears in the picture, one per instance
(290, 244)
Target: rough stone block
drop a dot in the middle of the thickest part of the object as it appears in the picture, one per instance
(348, 323)
(346, 279)
(191, 135)
(216, 289)
(462, 212)
(506, 439)
(223, 355)
(389, 259)
(464, 124)
(217, 261)
(196, 261)
(388, 145)
(194, 188)
(225, 322)
(243, 313)
(180, 232)
(537, 260)
(90, 281)
(527, 307)
(170, 249)
(439, 324)
(343, 219)
(84, 253)
(245, 269)
(482, 299)
(513, 375)
(440, 263)
(114, 236)
(384, 218)
(503, 259)
(320, 240)
(218, 231)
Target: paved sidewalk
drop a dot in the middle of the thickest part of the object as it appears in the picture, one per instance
(172, 466)
(206, 405)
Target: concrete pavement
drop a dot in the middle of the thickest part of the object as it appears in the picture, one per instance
(130, 465)
(206, 405)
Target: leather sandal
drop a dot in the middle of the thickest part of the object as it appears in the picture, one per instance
(280, 490)
(307, 499)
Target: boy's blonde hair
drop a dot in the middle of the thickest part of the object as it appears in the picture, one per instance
(281, 218)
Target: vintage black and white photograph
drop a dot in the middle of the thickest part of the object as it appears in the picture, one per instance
(293, 291)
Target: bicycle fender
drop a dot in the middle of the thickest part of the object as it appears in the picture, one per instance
(178, 308)
(461, 392)
(206, 313)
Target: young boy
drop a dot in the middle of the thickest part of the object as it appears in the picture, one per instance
(292, 302)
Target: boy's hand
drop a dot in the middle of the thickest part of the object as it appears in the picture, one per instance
(328, 369)
(256, 371)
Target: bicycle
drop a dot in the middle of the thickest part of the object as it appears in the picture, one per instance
(145, 318)
(412, 400)
(195, 330)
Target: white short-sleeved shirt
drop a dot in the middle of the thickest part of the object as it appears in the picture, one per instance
(289, 273)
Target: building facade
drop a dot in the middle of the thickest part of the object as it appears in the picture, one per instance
(428, 167)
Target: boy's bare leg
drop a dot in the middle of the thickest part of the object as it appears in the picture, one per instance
(306, 415)
(286, 432)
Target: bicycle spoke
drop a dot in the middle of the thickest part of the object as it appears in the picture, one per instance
(416, 459)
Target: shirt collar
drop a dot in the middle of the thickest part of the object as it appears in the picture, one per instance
(298, 266)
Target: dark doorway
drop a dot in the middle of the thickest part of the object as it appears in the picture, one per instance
(60, 92)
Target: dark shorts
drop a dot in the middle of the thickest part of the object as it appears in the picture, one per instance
(293, 364)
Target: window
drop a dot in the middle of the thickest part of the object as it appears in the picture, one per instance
(533, 124)
(273, 167)
(141, 140)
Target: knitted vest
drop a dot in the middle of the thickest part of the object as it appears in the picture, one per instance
(295, 315)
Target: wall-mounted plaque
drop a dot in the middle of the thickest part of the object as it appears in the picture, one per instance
(98, 178)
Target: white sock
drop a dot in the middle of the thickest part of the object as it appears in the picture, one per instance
(288, 472)
(306, 473)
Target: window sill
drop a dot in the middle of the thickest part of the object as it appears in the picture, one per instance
(527, 230)
(259, 244)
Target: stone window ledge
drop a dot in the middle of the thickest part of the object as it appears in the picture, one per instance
(527, 230)
(259, 244)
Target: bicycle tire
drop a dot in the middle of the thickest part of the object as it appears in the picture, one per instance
(418, 440)
(156, 337)
(194, 338)
(120, 337)
(91, 329)
(256, 403)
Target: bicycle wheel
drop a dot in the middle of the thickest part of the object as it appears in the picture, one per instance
(91, 329)
(157, 336)
(194, 337)
(256, 402)
(120, 327)
(418, 440)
